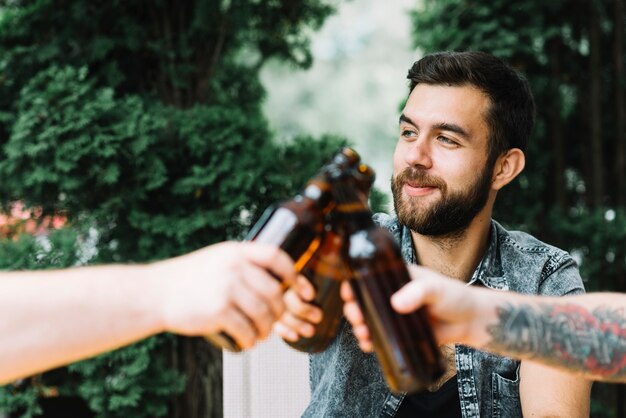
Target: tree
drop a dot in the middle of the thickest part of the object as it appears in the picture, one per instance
(141, 124)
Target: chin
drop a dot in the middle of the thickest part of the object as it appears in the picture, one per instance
(418, 204)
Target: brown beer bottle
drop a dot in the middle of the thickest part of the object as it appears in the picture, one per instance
(404, 344)
(327, 269)
(297, 225)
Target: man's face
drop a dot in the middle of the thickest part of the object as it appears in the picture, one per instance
(440, 179)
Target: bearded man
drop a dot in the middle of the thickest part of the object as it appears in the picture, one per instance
(462, 137)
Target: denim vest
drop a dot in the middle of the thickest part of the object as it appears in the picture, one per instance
(346, 382)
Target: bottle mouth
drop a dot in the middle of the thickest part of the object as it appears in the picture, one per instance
(365, 174)
(350, 153)
(346, 157)
(336, 172)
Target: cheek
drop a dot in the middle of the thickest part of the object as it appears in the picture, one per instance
(457, 170)
(463, 177)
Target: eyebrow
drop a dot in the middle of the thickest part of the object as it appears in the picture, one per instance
(452, 127)
(405, 118)
(444, 126)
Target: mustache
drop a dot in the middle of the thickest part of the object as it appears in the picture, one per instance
(418, 177)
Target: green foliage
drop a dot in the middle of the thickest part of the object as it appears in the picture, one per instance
(506, 29)
(118, 383)
(141, 123)
(21, 398)
(68, 138)
(598, 238)
(59, 250)
(301, 169)
(379, 201)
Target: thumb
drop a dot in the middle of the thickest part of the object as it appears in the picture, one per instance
(271, 258)
(410, 298)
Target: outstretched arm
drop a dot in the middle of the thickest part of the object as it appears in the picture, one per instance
(583, 334)
(52, 318)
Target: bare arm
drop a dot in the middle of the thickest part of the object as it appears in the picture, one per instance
(56, 317)
(549, 392)
(583, 334)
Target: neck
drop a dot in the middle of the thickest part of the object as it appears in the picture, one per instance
(455, 255)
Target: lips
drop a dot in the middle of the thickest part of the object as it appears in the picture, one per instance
(416, 185)
(418, 190)
(415, 182)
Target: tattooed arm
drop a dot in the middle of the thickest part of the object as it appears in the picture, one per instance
(583, 334)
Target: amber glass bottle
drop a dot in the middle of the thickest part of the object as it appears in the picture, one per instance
(404, 344)
(327, 269)
(297, 225)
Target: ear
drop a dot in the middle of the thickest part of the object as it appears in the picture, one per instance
(507, 167)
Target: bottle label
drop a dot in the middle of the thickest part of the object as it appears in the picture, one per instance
(361, 245)
(277, 227)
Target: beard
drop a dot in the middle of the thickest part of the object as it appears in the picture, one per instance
(448, 217)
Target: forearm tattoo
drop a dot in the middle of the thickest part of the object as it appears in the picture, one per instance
(564, 335)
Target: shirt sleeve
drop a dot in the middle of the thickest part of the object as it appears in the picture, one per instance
(561, 277)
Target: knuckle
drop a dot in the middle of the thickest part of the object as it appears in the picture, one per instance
(302, 284)
(292, 301)
(260, 309)
(271, 255)
(293, 322)
(273, 289)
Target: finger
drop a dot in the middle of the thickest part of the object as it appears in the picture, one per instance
(285, 332)
(305, 311)
(361, 332)
(300, 327)
(238, 327)
(346, 292)
(353, 313)
(366, 346)
(304, 288)
(271, 258)
(265, 286)
(362, 335)
(411, 296)
(256, 310)
(355, 316)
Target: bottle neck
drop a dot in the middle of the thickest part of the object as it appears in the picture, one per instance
(318, 191)
(351, 209)
(356, 221)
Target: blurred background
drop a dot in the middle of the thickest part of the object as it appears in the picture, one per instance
(135, 131)
(356, 84)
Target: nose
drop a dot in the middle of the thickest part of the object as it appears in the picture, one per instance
(418, 153)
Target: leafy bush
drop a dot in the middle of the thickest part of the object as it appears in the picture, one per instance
(141, 123)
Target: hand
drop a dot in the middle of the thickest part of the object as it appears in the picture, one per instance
(300, 315)
(354, 315)
(454, 309)
(225, 287)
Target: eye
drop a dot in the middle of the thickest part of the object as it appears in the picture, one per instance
(447, 141)
(408, 133)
